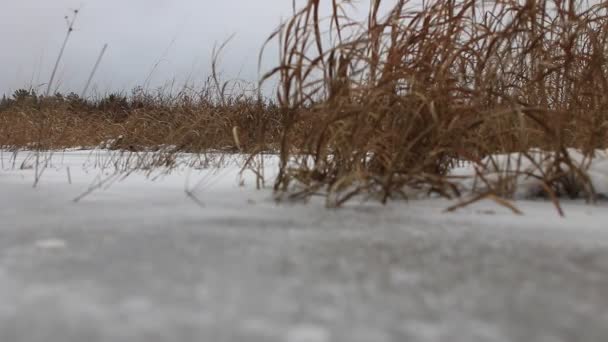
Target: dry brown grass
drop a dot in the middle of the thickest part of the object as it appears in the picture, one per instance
(382, 106)
(389, 104)
(141, 121)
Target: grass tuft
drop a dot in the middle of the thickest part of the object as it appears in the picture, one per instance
(389, 104)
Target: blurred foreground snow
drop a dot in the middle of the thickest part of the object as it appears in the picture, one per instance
(137, 259)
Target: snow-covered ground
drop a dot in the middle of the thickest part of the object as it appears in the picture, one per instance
(201, 255)
(528, 171)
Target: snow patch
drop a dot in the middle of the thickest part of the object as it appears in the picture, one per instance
(526, 171)
(308, 333)
(51, 244)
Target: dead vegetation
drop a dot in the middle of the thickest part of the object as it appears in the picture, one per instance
(391, 103)
(385, 105)
(186, 122)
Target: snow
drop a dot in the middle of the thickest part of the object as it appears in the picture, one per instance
(51, 244)
(198, 253)
(308, 333)
(103, 177)
(527, 171)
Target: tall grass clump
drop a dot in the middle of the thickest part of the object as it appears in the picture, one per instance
(385, 105)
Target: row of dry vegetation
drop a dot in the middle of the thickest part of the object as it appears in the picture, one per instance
(142, 120)
(381, 105)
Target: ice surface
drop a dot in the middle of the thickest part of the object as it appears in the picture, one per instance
(137, 259)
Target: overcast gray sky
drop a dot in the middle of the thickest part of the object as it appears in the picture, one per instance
(179, 33)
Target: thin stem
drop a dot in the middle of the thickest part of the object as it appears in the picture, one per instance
(65, 42)
(86, 87)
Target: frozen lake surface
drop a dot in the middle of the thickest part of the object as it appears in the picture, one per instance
(142, 261)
